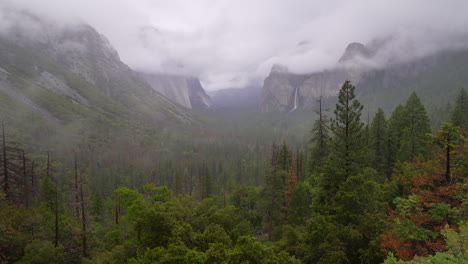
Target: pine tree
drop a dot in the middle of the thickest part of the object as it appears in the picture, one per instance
(449, 138)
(416, 130)
(347, 128)
(459, 115)
(395, 134)
(320, 140)
(284, 161)
(378, 142)
(347, 145)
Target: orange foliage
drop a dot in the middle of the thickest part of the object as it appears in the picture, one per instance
(430, 186)
(291, 183)
(392, 242)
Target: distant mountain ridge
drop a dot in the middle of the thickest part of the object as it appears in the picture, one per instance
(436, 77)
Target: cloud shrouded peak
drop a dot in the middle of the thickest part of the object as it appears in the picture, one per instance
(236, 43)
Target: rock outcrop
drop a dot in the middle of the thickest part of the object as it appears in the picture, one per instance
(186, 91)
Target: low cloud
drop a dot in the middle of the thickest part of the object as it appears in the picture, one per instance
(235, 43)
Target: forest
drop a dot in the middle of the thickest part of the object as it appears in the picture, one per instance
(384, 189)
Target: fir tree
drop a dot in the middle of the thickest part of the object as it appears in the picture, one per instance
(395, 134)
(416, 130)
(320, 140)
(347, 128)
(347, 144)
(459, 115)
(378, 142)
(284, 161)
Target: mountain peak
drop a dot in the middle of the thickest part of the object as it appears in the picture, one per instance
(354, 50)
(278, 68)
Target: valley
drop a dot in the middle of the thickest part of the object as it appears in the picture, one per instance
(361, 162)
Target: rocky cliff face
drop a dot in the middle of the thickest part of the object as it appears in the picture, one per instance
(186, 91)
(376, 82)
(279, 89)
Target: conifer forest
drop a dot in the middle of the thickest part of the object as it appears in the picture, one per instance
(199, 133)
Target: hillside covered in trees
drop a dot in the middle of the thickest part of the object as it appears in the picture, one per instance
(388, 189)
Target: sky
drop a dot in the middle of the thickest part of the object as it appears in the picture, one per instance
(233, 44)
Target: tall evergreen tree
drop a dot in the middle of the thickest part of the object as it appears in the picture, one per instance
(416, 130)
(396, 123)
(347, 144)
(320, 140)
(459, 115)
(378, 142)
(449, 138)
(284, 161)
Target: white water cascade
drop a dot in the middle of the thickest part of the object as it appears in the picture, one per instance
(296, 100)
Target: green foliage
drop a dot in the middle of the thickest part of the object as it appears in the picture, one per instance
(335, 215)
(48, 192)
(459, 115)
(299, 206)
(118, 255)
(284, 161)
(155, 226)
(347, 146)
(379, 143)
(131, 200)
(347, 128)
(320, 140)
(249, 251)
(396, 125)
(157, 194)
(416, 130)
(456, 245)
(42, 252)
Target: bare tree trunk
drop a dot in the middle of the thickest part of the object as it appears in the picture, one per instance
(448, 176)
(6, 187)
(117, 210)
(83, 220)
(56, 201)
(270, 216)
(26, 189)
(77, 210)
(32, 177)
(200, 177)
(191, 181)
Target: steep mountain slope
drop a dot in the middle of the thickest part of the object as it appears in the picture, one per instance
(184, 90)
(72, 73)
(436, 77)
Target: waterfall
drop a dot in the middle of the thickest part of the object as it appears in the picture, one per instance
(296, 100)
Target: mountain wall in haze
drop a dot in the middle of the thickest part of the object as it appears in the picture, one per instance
(246, 98)
(184, 90)
(381, 80)
(69, 73)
